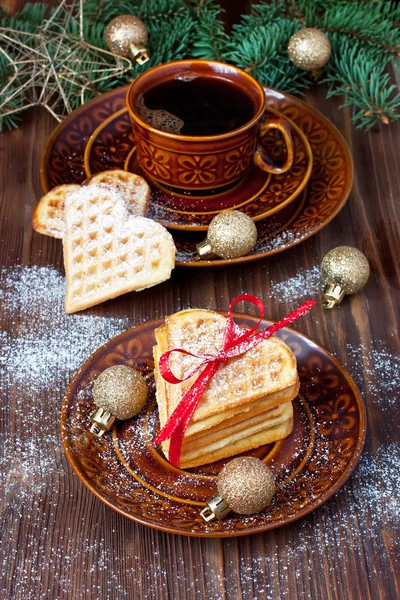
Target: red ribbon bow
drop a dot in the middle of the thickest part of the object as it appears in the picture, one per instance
(235, 343)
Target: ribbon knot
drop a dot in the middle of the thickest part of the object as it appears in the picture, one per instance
(222, 356)
(235, 343)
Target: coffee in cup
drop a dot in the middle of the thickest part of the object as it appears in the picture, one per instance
(199, 125)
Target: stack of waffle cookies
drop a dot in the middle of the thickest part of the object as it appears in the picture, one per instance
(248, 402)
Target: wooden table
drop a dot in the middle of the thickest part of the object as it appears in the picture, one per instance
(59, 541)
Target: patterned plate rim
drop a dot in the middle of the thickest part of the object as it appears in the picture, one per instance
(221, 534)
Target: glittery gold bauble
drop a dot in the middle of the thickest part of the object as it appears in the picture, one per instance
(344, 270)
(309, 49)
(120, 390)
(346, 266)
(230, 234)
(127, 36)
(246, 484)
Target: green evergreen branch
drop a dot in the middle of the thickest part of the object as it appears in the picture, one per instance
(395, 49)
(261, 50)
(29, 19)
(365, 23)
(365, 39)
(209, 37)
(259, 45)
(144, 9)
(372, 22)
(352, 71)
(262, 15)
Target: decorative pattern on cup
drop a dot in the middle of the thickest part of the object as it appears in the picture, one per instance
(238, 159)
(197, 169)
(154, 160)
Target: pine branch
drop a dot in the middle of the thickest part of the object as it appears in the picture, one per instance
(169, 39)
(364, 35)
(259, 45)
(353, 72)
(261, 50)
(262, 15)
(395, 49)
(209, 37)
(144, 9)
(373, 22)
(28, 19)
(365, 23)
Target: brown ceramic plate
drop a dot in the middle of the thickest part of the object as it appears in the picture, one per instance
(328, 189)
(258, 194)
(131, 476)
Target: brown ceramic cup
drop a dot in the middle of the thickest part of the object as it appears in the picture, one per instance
(210, 163)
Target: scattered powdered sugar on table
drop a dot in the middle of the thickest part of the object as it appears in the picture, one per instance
(45, 344)
(372, 499)
(38, 357)
(306, 283)
(378, 370)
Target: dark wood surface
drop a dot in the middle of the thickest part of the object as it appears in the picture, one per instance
(59, 541)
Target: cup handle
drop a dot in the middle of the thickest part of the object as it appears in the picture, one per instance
(261, 160)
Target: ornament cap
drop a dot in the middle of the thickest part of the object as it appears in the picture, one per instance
(204, 250)
(102, 421)
(333, 295)
(139, 54)
(216, 508)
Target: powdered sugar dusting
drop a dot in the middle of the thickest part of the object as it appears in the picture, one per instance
(34, 353)
(306, 283)
(37, 361)
(378, 371)
(133, 188)
(202, 333)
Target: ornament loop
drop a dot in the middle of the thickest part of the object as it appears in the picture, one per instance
(138, 54)
(102, 422)
(216, 507)
(329, 304)
(333, 294)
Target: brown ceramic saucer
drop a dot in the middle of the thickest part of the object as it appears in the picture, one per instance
(328, 189)
(131, 476)
(257, 194)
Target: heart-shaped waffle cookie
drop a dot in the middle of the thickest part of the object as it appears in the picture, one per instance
(48, 216)
(107, 251)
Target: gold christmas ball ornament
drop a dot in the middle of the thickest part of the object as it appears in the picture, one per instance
(245, 485)
(230, 234)
(127, 36)
(344, 270)
(119, 392)
(309, 49)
